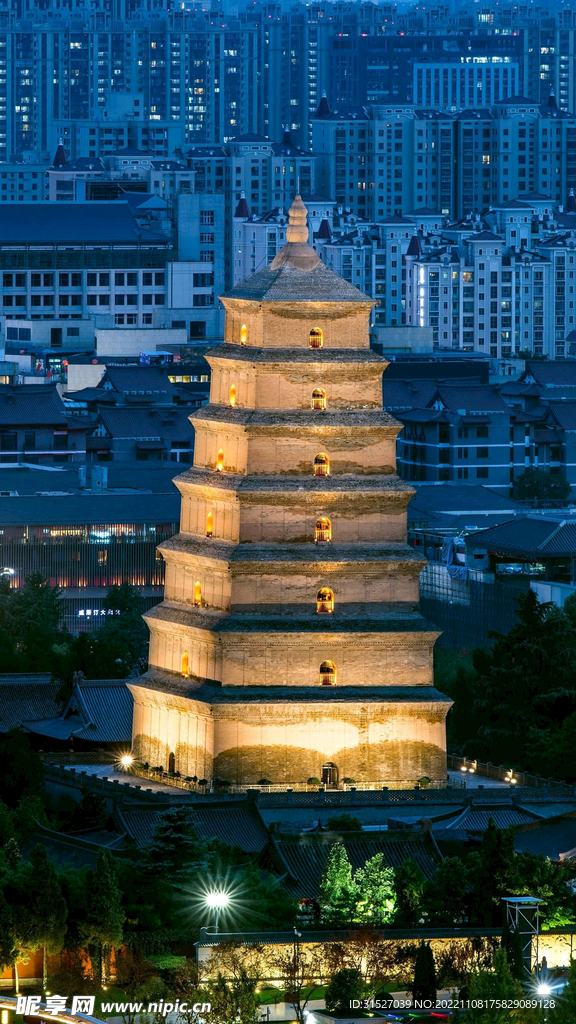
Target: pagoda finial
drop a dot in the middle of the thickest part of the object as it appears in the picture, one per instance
(297, 230)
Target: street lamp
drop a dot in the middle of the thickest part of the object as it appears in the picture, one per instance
(217, 901)
(126, 761)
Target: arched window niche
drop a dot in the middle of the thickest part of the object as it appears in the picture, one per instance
(327, 674)
(220, 460)
(209, 524)
(322, 465)
(316, 338)
(323, 530)
(318, 399)
(232, 397)
(197, 593)
(185, 667)
(243, 334)
(325, 601)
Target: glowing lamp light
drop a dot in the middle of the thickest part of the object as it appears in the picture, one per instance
(544, 989)
(217, 901)
(126, 760)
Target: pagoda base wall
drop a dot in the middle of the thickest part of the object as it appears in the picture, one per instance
(289, 743)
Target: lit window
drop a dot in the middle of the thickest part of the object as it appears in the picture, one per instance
(322, 465)
(185, 670)
(316, 338)
(233, 395)
(325, 601)
(323, 530)
(209, 524)
(220, 460)
(243, 334)
(327, 673)
(319, 399)
(197, 593)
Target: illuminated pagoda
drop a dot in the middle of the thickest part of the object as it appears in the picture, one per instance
(289, 644)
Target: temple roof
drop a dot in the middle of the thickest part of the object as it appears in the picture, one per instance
(297, 274)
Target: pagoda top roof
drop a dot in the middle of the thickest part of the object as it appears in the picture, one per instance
(297, 274)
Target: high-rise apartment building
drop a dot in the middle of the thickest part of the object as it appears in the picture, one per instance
(390, 160)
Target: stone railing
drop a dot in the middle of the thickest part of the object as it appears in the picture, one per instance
(499, 773)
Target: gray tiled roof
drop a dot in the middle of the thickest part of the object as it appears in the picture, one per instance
(38, 405)
(549, 838)
(306, 856)
(235, 824)
(166, 423)
(99, 711)
(291, 284)
(552, 374)
(25, 697)
(528, 535)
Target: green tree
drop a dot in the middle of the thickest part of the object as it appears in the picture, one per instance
(564, 1010)
(409, 883)
(338, 891)
(47, 906)
(234, 1000)
(424, 985)
(540, 485)
(376, 896)
(486, 989)
(177, 845)
(120, 647)
(7, 936)
(446, 896)
(512, 946)
(491, 874)
(105, 916)
(22, 771)
(346, 986)
(515, 701)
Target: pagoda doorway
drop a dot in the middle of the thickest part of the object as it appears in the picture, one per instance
(329, 775)
(172, 763)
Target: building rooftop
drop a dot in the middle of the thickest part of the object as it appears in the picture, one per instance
(536, 536)
(26, 696)
(297, 274)
(90, 508)
(305, 856)
(81, 223)
(33, 405)
(99, 711)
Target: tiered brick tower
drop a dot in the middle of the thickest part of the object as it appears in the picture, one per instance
(289, 643)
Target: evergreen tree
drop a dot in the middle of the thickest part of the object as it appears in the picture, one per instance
(424, 986)
(22, 770)
(487, 989)
(7, 937)
(376, 894)
(338, 892)
(491, 873)
(409, 883)
(48, 907)
(345, 986)
(177, 845)
(446, 896)
(564, 1010)
(512, 946)
(120, 647)
(105, 916)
